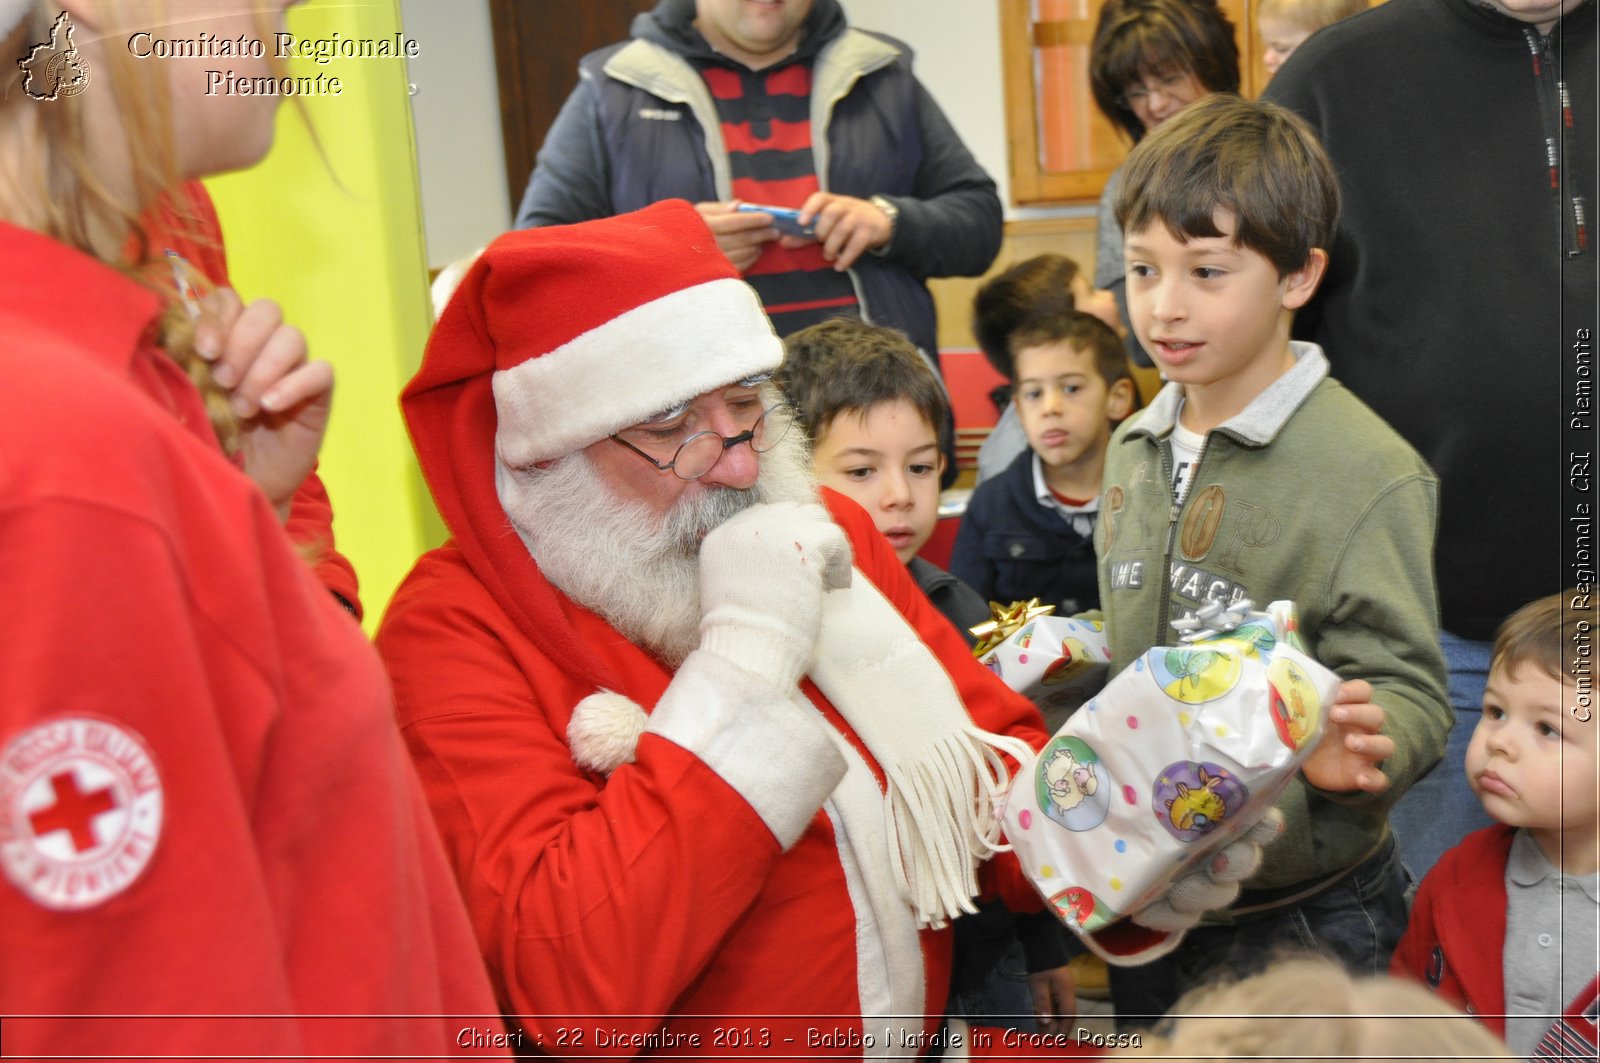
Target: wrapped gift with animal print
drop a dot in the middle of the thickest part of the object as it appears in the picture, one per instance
(1059, 662)
(1181, 752)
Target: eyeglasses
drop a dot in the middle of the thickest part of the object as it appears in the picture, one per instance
(699, 454)
(1166, 84)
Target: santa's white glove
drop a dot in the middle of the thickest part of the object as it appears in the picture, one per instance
(1214, 884)
(762, 577)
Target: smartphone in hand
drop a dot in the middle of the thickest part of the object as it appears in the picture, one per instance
(784, 219)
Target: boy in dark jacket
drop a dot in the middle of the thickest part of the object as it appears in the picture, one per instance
(871, 405)
(1029, 532)
(1013, 298)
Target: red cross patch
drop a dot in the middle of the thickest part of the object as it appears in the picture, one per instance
(80, 811)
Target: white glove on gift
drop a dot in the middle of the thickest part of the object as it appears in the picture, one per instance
(1213, 886)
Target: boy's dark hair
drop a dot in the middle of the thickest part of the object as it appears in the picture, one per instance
(1254, 159)
(1083, 331)
(1134, 39)
(845, 365)
(1540, 633)
(1041, 285)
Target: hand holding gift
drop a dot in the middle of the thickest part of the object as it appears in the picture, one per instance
(1348, 756)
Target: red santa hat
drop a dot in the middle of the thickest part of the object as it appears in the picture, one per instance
(595, 327)
(559, 337)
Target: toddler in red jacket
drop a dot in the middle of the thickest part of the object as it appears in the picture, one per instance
(1505, 923)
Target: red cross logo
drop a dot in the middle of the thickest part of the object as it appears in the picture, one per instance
(86, 780)
(74, 811)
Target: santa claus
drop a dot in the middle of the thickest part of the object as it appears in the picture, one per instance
(705, 760)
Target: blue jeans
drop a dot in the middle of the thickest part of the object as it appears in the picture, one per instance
(1440, 808)
(1003, 999)
(1357, 922)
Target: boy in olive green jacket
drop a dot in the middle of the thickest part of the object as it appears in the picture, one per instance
(1255, 475)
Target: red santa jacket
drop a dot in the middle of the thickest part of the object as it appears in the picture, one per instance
(206, 814)
(1457, 932)
(659, 890)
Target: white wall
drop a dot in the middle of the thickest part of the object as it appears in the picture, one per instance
(957, 46)
(456, 109)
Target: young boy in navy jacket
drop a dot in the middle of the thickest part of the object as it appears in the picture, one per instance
(1029, 532)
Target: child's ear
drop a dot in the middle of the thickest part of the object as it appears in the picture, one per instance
(939, 465)
(1302, 283)
(1119, 400)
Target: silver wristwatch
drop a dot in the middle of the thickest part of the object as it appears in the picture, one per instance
(894, 223)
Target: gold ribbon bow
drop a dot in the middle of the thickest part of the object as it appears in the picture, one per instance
(1005, 621)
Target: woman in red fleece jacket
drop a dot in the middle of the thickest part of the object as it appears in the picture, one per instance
(211, 840)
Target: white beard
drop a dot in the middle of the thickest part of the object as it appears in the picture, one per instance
(639, 571)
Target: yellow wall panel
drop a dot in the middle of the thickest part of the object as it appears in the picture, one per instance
(339, 243)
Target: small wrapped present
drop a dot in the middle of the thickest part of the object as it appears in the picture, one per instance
(1057, 661)
(1183, 751)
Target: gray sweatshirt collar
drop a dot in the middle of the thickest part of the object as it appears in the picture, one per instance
(1267, 413)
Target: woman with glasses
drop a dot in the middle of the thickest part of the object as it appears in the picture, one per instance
(1149, 60)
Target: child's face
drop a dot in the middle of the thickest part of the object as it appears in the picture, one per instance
(1530, 762)
(1278, 40)
(1213, 314)
(888, 460)
(1066, 407)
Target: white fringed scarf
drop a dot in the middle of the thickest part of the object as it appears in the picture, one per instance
(945, 775)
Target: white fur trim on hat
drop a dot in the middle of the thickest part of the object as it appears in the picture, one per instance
(604, 731)
(627, 369)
